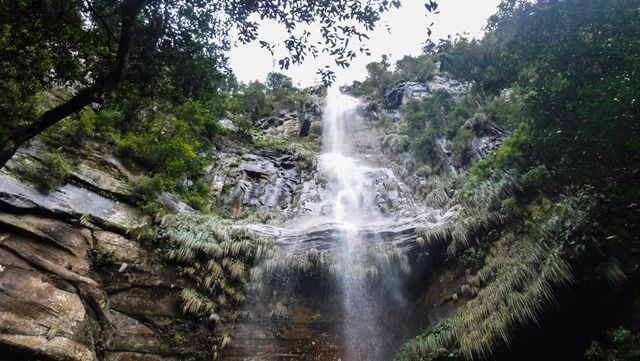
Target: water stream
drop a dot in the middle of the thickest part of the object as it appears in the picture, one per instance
(353, 208)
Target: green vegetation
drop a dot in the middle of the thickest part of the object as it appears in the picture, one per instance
(380, 75)
(214, 256)
(48, 172)
(163, 49)
(555, 207)
(620, 344)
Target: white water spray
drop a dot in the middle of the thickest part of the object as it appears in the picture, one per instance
(353, 208)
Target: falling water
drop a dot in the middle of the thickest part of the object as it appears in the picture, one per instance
(353, 207)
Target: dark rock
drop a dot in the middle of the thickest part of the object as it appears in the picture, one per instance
(262, 180)
(269, 122)
(396, 94)
(305, 126)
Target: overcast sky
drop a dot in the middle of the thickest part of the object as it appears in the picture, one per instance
(408, 32)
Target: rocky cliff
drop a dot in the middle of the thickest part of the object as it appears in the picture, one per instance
(83, 278)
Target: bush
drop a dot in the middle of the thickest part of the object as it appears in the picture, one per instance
(56, 166)
(537, 177)
(509, 207)
(72, 133)
(49, 173)
(461, 145)
(419, 68)
(620, 344)
(426, 150)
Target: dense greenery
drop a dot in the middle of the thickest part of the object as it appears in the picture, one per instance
(557, 204)
(89, 49)
(171, 139)
(556, 207)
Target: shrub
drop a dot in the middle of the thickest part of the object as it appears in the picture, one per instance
(461, 145)
(426, 149)
(72, 133)
(509, 207)
(537, 177)
(56, 166)
(48, 173)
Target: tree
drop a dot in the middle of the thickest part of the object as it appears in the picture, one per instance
(82, 49)
(578, 63)
(253, 100)
(420, 68)
(277, 81)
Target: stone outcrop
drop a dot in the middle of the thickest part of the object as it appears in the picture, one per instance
(75, 286)
(398, 94)
(254, 181)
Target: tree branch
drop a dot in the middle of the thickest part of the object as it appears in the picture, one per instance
(128, 13)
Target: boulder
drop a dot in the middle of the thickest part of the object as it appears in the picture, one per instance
(117, 246)
(227, 124)
(269, 122)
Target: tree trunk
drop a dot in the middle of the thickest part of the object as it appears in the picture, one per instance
(85, 96)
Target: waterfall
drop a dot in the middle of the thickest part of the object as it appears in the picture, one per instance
(353, 206)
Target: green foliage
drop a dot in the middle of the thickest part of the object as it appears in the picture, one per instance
(395, 143)
(430, 120)
(461, 145)
(170, 141)
(41, 44)
(537, 178)
(437, 334)
(381, 75)
(516, 283)
(56, 166)
(305, 157)
(258, 100)
(277, 81)
(244, 123)
(506, 110)
(48, 172)
(214, 256)
(419, 68)
(178, 339)
(475, 60)
(268, 141)
(73, 133)
(253, 100)
(509, 207)
(431, 112)
(576, 134)
(165, 51)
(620, 344)
(578, 94)
(511, 154)
(379, 78)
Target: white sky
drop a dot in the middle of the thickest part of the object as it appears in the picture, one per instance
(408, 33)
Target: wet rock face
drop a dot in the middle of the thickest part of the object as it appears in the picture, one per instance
(74, 287)
(315, 197)
(78, 288)
(401, 92)
(489, 136)
(255, 181)
(310, 332)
